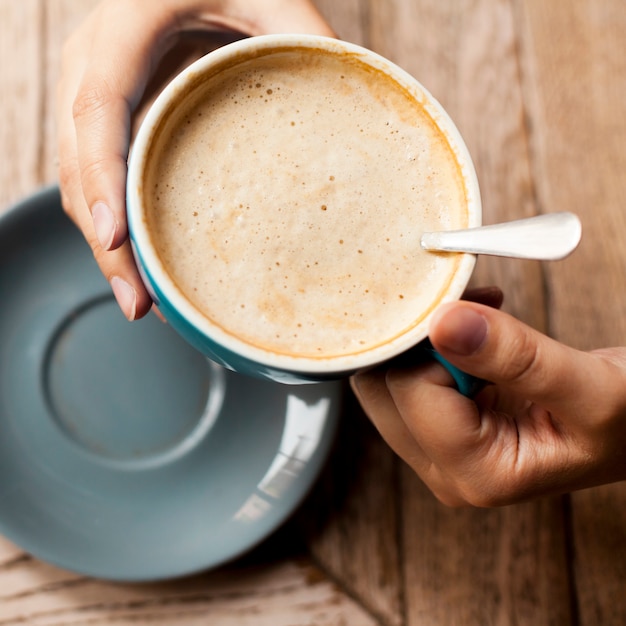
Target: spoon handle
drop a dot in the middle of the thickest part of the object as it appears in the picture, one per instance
(547, 237)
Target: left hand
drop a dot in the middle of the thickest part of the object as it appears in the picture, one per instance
(109, 69)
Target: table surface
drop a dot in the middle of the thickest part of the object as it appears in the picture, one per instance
(538, 90)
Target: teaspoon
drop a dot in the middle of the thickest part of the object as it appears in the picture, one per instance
(547, 237)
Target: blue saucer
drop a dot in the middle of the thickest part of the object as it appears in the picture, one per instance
(124, 453)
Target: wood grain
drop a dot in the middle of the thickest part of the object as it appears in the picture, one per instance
(21, 98)
(472, 566)
(465, 53)
(574, 73)
(537, 89)
(573, 66)
(352, 520)
(282, 593)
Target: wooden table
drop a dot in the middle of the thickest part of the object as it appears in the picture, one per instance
(538, 89)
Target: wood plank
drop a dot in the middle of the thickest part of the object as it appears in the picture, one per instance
(22, 50)
(574, 68)
(475, 567)
(350, 19)
(351, 520)
(60, 18)
(599, 538)
(21, 98)
(276, 594)
(464, 53)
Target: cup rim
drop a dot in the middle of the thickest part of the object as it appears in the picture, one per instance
(153, 272)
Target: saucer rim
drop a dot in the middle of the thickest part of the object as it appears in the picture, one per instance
(27, 209)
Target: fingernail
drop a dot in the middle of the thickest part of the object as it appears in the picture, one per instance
(104, 224)
(126, 297)
(158, 313)
(462, 331)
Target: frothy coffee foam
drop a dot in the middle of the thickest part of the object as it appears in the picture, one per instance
(288, 199)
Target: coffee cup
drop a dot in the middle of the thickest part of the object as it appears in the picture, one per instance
(277, 192)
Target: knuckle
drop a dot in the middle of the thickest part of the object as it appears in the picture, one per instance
(474, 486)
(451, 500)
(396, 379)
(94, 168)
(460, 490)
(406, 383)
(482, 488)
(479, 495)
(95, 246)
(523, 359)
(92, 100)
(482, 499)
(491, 493)
(450, 487)
(100, 255)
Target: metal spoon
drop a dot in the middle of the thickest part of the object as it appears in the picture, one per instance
(546, 237)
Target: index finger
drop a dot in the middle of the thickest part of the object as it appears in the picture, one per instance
(102, 108)
(373, 394)
(405, 405)
(123, 58)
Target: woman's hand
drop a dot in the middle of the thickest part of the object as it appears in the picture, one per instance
(108, 64)
(553, 421)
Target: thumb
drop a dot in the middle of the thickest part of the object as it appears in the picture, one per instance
(493, 345)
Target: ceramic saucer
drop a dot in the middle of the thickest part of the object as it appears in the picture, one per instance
(124, 453)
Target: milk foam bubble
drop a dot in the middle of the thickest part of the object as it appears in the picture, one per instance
(287, 198)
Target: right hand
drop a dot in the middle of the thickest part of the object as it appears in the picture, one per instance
(553, 421)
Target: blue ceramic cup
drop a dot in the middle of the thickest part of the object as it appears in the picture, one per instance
(446, 279)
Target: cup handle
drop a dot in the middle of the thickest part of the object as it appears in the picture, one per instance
(466, 384)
